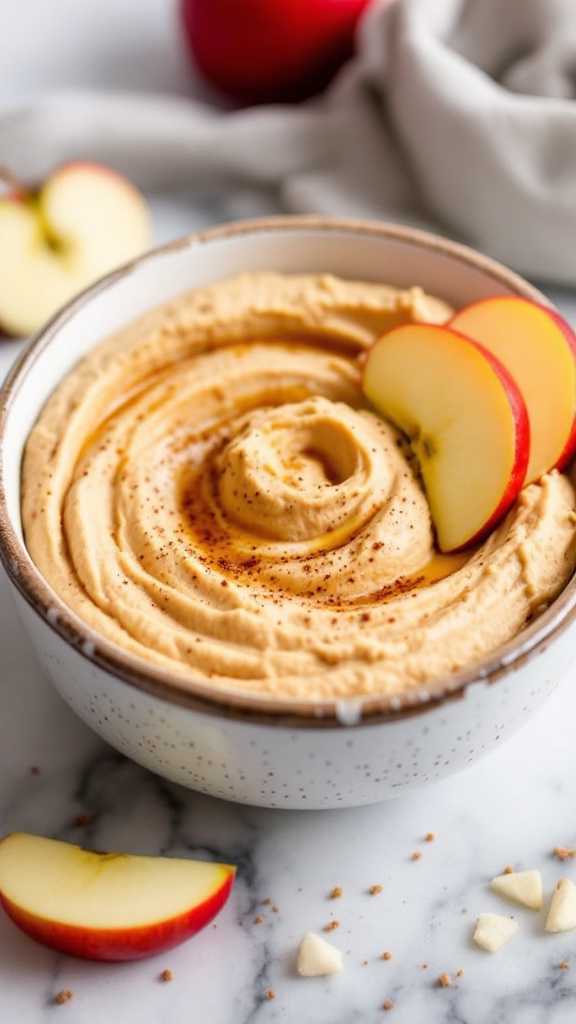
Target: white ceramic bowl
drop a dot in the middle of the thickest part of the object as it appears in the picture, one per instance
(247, 749)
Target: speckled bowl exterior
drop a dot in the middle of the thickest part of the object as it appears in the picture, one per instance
(245, 748)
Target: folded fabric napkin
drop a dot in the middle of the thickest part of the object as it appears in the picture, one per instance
(455, 115)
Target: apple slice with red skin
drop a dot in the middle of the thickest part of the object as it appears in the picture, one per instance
(538, 348)
(107, 906)
(85, 220)
(466, 421)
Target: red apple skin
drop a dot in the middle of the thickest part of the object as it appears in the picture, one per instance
(119, 944)
(270, 51)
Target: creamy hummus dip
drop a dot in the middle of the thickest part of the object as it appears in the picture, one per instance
(210, 490)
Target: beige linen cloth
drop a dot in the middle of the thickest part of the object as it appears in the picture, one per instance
(456, 115)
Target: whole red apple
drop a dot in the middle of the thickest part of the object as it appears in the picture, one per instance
(270, 51)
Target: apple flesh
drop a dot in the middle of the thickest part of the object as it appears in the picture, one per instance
(466, 421)
(85, 220)
(270, 51)
(538, 348)
(107, 906)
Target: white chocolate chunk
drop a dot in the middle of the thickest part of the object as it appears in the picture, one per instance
(562, 913)
(493, 930)
(522, 886)
(316, 956)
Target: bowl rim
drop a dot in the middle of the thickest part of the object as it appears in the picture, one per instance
(172, 687)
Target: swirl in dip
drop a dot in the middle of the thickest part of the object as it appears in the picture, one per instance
(210, 490)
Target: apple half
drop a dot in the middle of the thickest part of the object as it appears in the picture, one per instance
(538, 348)
(466, 421)
(85, 220)
(107, 906)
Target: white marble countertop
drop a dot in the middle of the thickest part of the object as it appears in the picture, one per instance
(58, 779)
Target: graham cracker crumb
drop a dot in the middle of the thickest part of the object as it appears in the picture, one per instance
(387, 1004)
(337, 892)
(166, 975)
(563, 965)
(429, 837)
(63, 996)
(375, 889)
(270, 993)
(386, 955)
(459, 973)
(259, 919)
(444, 980)
(331, 926)
(266, 902)
(564, 852)
(508, 870)
(416, 855)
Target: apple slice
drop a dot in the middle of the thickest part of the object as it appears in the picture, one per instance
(84, 221)
(466, 421)
(106, 906)
(538, 348)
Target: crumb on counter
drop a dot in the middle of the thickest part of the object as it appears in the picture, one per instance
(508, 870)
(331, 926)
(387, 1004)
(416, 855)
(82, 820)
(34, 769)
(270, 993)
(444, 980)
(563, 965)
(386, 955)
(63, 996)
(336, 892)
(429, 837)
(564, 852)
(259, 919)
(166, 975)
(375, 889)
